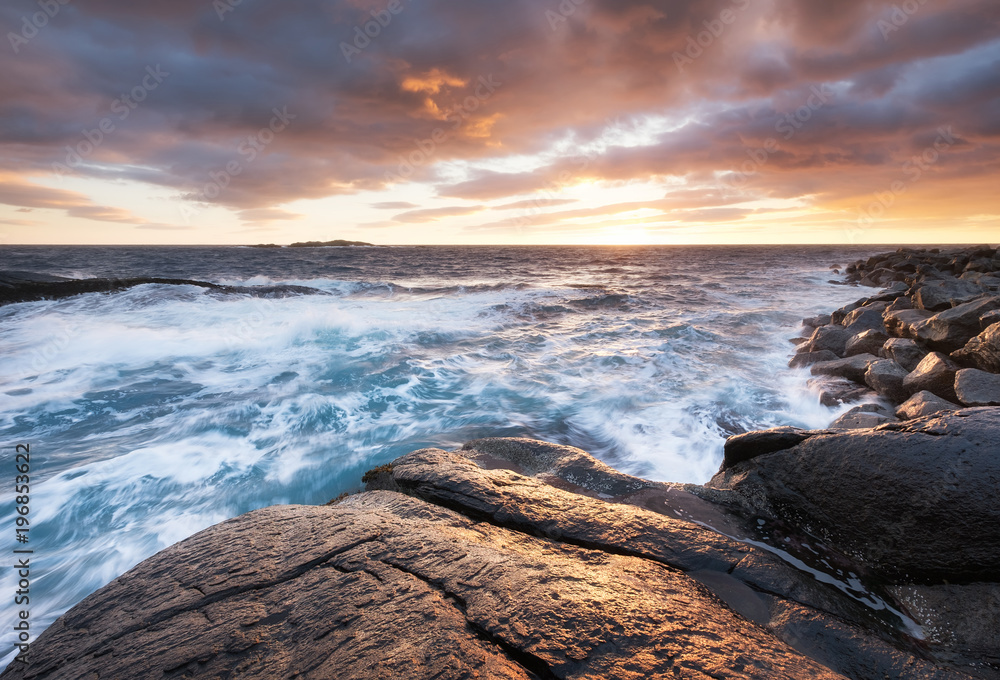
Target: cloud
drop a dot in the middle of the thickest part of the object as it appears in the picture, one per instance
(268, 215)
(31, 196)
(535, 203)
(435, 214)
(394, 205)
(416, 92)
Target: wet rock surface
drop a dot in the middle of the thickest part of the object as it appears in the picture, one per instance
(16, 286)
(510, 558)
(915, 501)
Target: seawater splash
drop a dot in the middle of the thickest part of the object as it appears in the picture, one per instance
(161, 410)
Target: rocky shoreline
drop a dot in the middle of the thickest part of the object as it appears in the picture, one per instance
(929, 342)
(867, 550)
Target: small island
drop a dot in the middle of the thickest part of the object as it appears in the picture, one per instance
(338, 243)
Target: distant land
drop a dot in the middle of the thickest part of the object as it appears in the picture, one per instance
(339, 243)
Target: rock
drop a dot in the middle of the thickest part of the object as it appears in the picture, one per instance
(837, 391)
(953, 616)
(983, 351)
(989, 318)
(816, 321)
(743, 447)
(977, 388)
(940, 295)
(865, 318)
(904, 352)
(866, 342)
(843, 393)
(838, 316)
(901, 323)
(860, 421)
(853, 368)
(980, 264)
(874, 407)
(28, 287)
(836, 645)
(891, 294)
(923, 404)
(936, 374)
(832, 338)
(950, 330)
(387, 586)
(864, 310)
(916, 501)
(886, 378)
(807, 358)
(898, 304)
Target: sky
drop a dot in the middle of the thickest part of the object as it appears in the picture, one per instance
(500, 122)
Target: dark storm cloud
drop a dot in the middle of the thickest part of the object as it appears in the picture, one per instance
(361, 110)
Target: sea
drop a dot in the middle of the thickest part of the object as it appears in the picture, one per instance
(155, 412)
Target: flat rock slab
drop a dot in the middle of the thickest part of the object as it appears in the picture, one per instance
(386, 586)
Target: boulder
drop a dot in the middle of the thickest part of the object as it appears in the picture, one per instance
(838, 316)
(886, 378)
(853, 368)
(923, 404)
(936, 374)
(977, 388)
(866, 342)
(901, 323)
(989, 318)
(940, 295)
(916, 501)
(899, 304)
(950, 330)
(833, 393)
(808, 358)
(890, 294)
(816, 321)
(983, 351)
(980, 264)
(833, 338)
(865, 318)
(904, 352)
